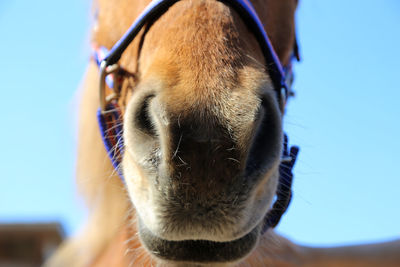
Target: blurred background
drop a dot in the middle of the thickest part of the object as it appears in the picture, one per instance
(345, 118)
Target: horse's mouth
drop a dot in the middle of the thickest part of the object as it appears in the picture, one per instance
(199, 251)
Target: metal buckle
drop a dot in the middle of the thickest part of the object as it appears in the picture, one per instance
(286, 159)
(105, 70)
(283, 98)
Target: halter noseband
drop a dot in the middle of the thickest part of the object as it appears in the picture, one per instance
(110, 117)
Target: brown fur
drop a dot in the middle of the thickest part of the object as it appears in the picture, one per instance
(211, 71)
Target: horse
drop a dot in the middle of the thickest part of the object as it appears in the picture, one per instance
(200, 143)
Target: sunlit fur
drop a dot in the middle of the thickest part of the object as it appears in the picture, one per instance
(202, 65)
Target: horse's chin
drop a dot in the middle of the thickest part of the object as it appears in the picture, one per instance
(199, 251)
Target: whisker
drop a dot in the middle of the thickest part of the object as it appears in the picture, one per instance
(113, 127)
(177, 147)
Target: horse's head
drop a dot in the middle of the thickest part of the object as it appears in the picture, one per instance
(202, 125)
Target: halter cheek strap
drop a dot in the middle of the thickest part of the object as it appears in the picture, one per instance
(110, 114)
(284, 191)
(110, 117)
(111, 128)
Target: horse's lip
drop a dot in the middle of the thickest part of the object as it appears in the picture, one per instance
(199, 251)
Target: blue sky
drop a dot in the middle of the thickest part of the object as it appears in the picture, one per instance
(344, 118)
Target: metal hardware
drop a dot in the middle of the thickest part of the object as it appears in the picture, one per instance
(106, 70)
(283, 98)
(286, 159)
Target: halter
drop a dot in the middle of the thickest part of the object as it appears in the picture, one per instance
(111, 76)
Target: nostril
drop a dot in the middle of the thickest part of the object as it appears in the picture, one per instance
(143, 116)
(266, 145)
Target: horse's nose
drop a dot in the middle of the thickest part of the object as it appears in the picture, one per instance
(201, 154)
(191, 145)
(196, 148)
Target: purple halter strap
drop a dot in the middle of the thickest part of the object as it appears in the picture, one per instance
(110, 116)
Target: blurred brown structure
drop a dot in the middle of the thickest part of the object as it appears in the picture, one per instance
(28, 245)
